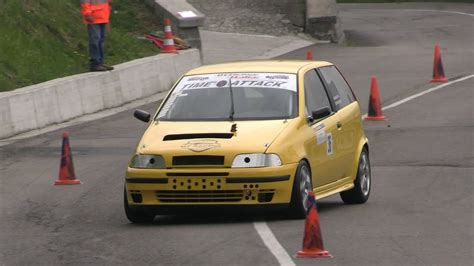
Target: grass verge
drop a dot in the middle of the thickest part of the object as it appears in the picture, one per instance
(45, 39)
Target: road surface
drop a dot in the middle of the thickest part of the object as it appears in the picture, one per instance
(421, 207)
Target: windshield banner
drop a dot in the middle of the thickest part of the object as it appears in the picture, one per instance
(248, 80)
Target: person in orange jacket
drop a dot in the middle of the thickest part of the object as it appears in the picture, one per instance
(96, 15)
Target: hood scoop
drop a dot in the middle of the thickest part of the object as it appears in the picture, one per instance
(198, 136)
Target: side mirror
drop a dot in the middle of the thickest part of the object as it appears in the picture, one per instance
(142, 115)
(320, 113)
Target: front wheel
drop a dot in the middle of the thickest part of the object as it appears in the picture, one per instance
(361, 190)
(301, 188)
(136, 216)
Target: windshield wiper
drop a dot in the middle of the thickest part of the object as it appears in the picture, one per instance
(232, 111)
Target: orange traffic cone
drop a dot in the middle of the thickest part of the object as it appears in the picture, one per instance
(375, 107)
(168, 42)
(309, 55)
(66, 169)
(438, 71)
(313, 240)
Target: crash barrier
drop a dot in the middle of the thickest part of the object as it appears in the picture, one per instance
(375, 107)
(313, 240)
(67, 176)
(63, 99)
(438, 70)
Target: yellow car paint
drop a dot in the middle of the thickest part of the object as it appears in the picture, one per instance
(293, 140)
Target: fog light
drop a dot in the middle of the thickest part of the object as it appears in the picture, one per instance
(265, 197)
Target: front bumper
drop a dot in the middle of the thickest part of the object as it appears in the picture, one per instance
(210, 186)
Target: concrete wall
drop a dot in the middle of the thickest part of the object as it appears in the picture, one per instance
(322, 20)
(231, 4)
(60, 100)
(318, 17)
(185, 28)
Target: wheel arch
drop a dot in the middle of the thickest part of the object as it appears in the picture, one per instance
(363, 144)
(309, 165)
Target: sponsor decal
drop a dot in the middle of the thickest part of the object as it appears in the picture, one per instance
(221, 83)
(277, 77)
(329, 143)
(319, 127)
(197, 78)
(320, 136)
(201, 145)
(320, 133)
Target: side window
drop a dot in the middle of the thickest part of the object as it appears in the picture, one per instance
(315, 94)
(337, 86)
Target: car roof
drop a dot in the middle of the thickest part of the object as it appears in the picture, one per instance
(272, 66)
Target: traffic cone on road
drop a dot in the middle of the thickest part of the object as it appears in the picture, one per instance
(438, 71)
(309, 55)
(168, 42)
(313, 240)
(66, 169)
(375, 107)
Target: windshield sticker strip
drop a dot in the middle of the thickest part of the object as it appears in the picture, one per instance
(249, 80)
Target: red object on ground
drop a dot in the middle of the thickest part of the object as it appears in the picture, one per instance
(309, 55)
(375, 107)
(168, 42)
(66, 169)
(155, 40)
(313, 240)
(438, 71)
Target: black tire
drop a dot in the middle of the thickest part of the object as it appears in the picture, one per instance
(136, 216)
(299, 195)
(361, 191)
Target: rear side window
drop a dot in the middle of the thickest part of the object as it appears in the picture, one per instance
(315, 94)
(337, 86)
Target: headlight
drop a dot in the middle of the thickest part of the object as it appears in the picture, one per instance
(256, 160)
(148, 161)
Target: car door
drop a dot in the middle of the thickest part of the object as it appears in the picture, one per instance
(320, 144)
(348, 118)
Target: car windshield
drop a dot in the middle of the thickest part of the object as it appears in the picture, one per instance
(232, 96)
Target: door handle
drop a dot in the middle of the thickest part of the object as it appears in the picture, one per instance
(338, 125)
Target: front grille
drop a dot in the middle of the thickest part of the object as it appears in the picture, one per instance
(198, 174)
(198, 160)
(196, 196)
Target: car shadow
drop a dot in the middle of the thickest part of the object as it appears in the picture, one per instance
(210, 217)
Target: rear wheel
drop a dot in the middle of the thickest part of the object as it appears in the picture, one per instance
(301, 187)
(136, 216)
(361, 191)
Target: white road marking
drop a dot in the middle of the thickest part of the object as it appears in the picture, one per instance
(262, 228)
(407, 99)
(265, 232)
(272, 243)
(415, 10)
(442, 11)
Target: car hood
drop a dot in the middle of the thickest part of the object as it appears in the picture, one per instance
(216, 138)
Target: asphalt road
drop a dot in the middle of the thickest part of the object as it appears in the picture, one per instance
(421, 207)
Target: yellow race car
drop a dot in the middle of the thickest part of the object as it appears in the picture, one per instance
(255, 133)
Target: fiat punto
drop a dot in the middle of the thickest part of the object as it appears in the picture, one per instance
(247, 134)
